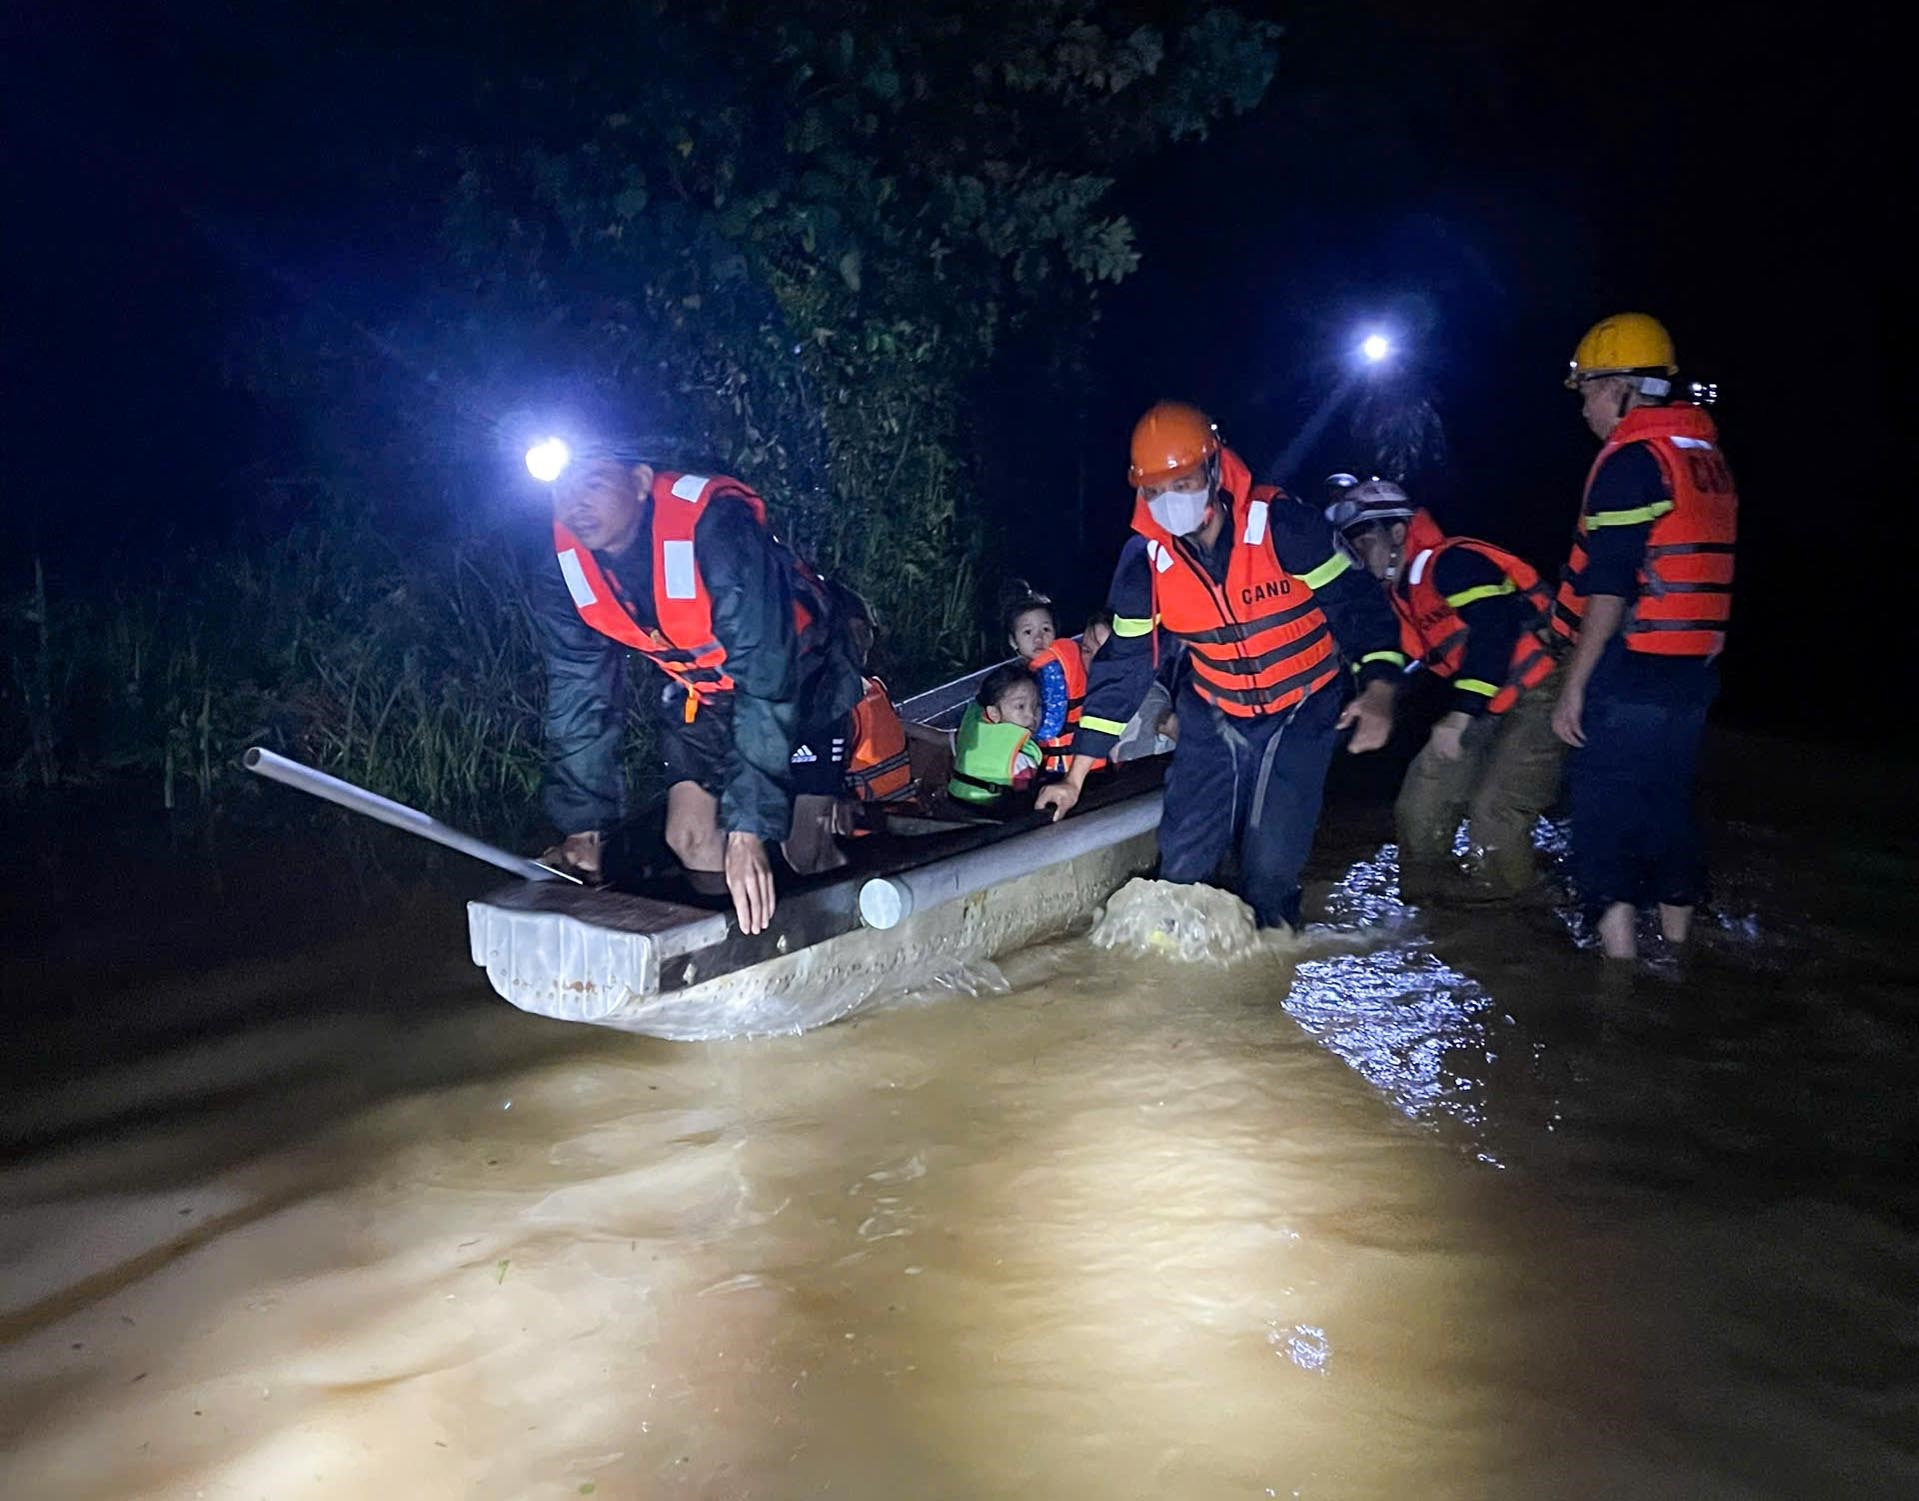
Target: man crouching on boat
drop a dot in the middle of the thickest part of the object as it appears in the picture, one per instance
(1276, 624)
(756, 683)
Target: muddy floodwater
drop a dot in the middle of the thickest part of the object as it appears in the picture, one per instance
(1428, 1206)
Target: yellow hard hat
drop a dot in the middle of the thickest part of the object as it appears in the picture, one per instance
(1635, 343)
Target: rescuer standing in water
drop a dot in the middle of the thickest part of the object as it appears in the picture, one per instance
(1646, 597)
(753, 719)
(1276, 622)
(1477, 616)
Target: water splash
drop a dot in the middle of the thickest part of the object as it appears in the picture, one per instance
(1188, 924)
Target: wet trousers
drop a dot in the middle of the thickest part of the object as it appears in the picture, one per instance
(1634, 835)
(1507, 775)
(1259, 781)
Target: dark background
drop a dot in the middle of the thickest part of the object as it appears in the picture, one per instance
(1485, 179)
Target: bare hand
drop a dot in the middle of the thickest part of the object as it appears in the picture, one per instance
(1060, 797)
(1371, 716)
(749, 876)
(577, 854)
(1445, 739)
(1569, 715)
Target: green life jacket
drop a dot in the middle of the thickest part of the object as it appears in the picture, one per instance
(986, 757)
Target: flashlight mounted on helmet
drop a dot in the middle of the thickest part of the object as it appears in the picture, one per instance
(547, 459)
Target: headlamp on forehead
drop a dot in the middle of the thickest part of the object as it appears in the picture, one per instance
(547, 459)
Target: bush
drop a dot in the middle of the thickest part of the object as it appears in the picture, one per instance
(413, 674)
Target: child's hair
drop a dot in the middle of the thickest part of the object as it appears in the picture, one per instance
(1101, 616)
(1002, 678)
(1017, 598)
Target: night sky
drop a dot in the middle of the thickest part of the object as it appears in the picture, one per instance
(1488, 178)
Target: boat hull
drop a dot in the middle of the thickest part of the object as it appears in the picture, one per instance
(581, 956)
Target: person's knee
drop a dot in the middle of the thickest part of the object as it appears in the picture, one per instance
(695, 841)
(1495, 819)
(1424, 832)
(1184, 865)
(810, 848)
(1192, 840)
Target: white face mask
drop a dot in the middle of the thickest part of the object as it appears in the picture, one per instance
(1181, 512)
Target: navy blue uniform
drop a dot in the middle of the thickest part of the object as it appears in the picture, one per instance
(1256, 779)
(1635, 836)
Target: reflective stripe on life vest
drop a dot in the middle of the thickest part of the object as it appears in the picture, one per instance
(1259, 642)
(683, 645)
(1432, 628)
(1684, 595)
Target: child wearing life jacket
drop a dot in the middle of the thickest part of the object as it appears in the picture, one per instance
(1058, 664)
(993, 751)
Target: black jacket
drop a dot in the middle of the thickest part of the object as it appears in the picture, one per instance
(779, 696)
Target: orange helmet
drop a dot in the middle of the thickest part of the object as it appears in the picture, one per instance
(1171, 440)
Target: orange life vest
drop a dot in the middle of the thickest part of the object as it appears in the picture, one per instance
(1430, 627)
(1065, 651)
(1257, 644)
(878, 768)
(683, 645)
(1685, 583)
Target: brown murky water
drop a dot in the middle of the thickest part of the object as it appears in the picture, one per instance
(1428, 1208)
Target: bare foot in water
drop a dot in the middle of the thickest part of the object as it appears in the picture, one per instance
(1618, 934)
(1675, 923)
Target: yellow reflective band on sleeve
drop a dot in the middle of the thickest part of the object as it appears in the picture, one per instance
(1398, 659)
(1104, 726)
(1126, 625)
(1327, 571)
(1477, 685)
(1466, 597)
(1636, 517)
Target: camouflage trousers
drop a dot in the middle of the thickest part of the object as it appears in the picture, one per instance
(1507, 775)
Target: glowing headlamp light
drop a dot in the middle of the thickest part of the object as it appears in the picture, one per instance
(1375, 347)
(547, 459)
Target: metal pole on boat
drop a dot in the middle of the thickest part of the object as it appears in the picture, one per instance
(277, 768)
(887, 901)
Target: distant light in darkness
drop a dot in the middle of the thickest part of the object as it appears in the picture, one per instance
(1375, 347)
